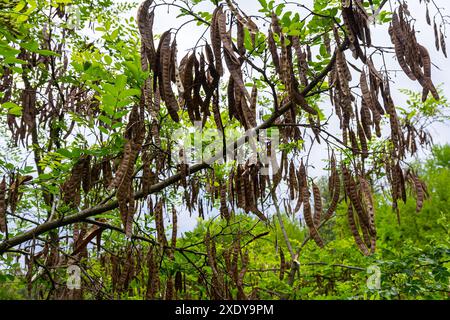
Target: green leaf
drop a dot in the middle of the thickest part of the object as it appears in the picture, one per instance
(48, 53)
(12, 108)
(108, 59)
(65, 153)
(129, 92)
(279, 9)
(105, 119)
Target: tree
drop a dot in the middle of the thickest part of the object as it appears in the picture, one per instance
(102, 122)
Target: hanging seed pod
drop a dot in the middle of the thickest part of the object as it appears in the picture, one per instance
(400, 54)
(292, 180)
(107, 173)
(273, 51)
(3, 205)
(169, 289)
(178, 281)
(282, 264)
(86, 179)
(436, 36)
(363, 142)
(236, 72)
(153, 274)
(309, 220)
(13, 196)
(426, 60)
(174, 228)
(217, 115)
(240, 39)
(368, 98)
(354, 230)
(124, 165)
(165, 61)
(366, 120)
(419, 190)
(145, 25)
(352, 192)
(159, 221)
(241, 275)
(178, 81)
(443, 44)
(225, 36)
(317, 205)
(336, 187)
(368, 202)
(224, 213)
(216, 42)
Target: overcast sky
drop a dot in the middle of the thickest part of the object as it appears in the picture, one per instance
(189, 35)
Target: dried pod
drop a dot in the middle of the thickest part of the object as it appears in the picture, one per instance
(282, 264)
(335, 189)
(216, 42)
(3, 204)
(317, 205)
(443, 44)
(159, 221)
(309, 219)
(354, 230)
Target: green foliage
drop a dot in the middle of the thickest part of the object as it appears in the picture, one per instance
(413, 257)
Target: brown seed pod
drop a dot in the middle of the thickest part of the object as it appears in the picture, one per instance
(419, 190)
(366, 120)
(282, 264)
(400, 54)
(301, 183)
(443, 44)
(159, 221)
(225, 36)
(336, 189)
(240, 39)
(174, 227)
(176, 68)
(367, 94)
(354, 230)
(216, 42)
(153, 274)
(86, 179)
(436, 36)
(241, 275)
(178, 281)
(426, 60)
(235, 71)
(169, 289)
(124, 165)
(274, 52)
(302, 63)
(317, 205)
(166, 62)
(224, 213)
(3, 205)
(188, 83)
(293, 185)
(309, 220)
(363, 141)
(216, 113)
(367, 199)
(145, 25)
(352, 192)
(107, 173)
